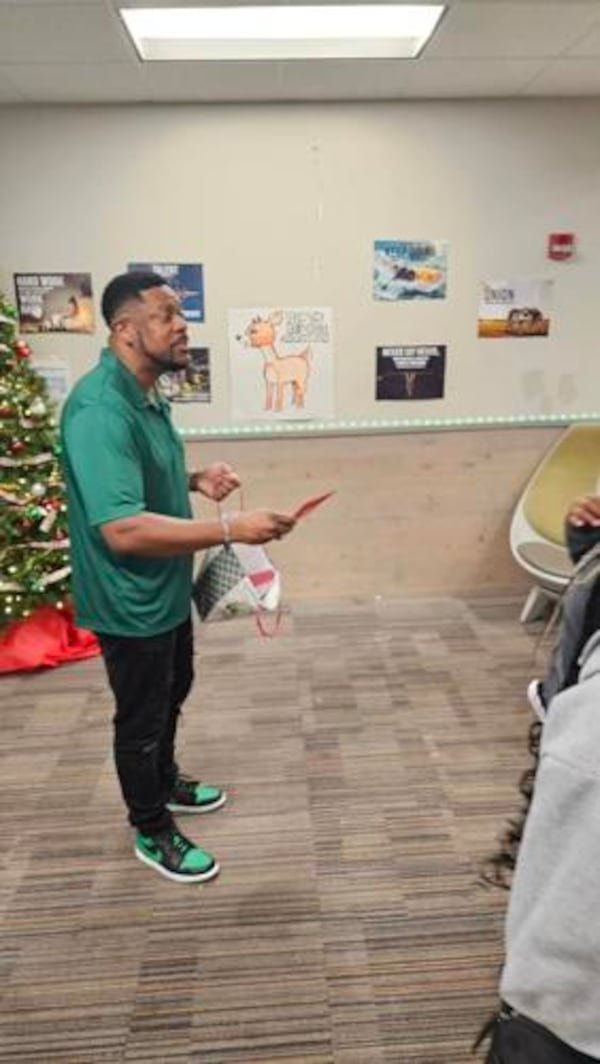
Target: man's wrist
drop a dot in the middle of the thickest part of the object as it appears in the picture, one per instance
(226, 526)
(193, 480)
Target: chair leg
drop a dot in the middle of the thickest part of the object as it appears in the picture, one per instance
(535, 606)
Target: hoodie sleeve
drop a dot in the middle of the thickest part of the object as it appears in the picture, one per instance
(580, 540)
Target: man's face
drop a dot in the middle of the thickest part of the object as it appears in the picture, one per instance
(160, 329)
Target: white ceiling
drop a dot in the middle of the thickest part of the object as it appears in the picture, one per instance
(77, 51)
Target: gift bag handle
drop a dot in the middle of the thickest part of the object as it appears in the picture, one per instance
(225, 518)
(260, 615)
(240, 491)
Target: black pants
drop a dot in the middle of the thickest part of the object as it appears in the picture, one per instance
(518, 1040)
(150, 677)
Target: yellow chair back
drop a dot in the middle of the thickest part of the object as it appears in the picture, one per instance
(571, 468)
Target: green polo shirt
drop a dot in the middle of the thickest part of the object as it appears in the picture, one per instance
(122, 456)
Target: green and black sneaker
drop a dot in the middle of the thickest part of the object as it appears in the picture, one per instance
(175, 857)
(189, 796)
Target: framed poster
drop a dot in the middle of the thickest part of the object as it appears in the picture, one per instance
(54, 302)
(192, 384)
(415, 372)
(410, 269)
(186, 279)
(281, 363)
(517, 308)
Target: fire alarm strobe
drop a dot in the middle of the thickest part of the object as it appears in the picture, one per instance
(561, 246)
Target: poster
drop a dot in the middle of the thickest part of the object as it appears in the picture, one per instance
(411, 372)
(410, 269)
(281, 362)
(185, 279)
(518, 308)
(54, 302)
(192, 384)
(56, 376)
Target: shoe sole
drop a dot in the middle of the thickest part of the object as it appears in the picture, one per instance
(196, 877)
(174, 807)
(535, 701)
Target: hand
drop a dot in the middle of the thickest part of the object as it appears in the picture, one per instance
(217, 481)
(585, 511)
(260, 526)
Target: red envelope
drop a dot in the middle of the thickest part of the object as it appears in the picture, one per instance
(311, 504)
(263, 576)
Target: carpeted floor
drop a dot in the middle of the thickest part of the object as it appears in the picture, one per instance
(371, 753)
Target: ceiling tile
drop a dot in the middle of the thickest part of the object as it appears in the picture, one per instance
(9, 92)
(567, 77)
(473, 29)
(51, 3)
(62, 33)
(79, 82)
(471, 77)
(338, 80)
(588, 45)
(77, 51)
(213, 81)
(427, 79)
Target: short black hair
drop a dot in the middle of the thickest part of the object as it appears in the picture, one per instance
(124, 287)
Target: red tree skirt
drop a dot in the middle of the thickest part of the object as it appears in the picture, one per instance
(47, 638)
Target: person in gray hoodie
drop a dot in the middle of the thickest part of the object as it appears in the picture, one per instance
(579, 610)
(550, 984)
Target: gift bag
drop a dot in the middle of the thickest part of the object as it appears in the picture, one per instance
(234, 580)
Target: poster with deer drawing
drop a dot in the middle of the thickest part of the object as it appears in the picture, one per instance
(281, 361)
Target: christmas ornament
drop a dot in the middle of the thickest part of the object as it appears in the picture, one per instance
(17, 446)
(38, 490)
(48, 521)
(5, 410)
(22, 350)
(37, 408)
(9, 496)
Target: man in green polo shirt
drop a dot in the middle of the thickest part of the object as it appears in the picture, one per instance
(133, 537)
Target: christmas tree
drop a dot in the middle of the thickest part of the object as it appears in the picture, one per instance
(34, 560)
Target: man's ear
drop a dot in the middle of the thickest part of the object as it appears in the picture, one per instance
(124, 330)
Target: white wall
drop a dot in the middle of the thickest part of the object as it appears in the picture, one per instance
(282, 203)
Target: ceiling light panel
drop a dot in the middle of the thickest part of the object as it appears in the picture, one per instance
(374, 31)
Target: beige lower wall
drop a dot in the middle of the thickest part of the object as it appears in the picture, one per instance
(425, 513)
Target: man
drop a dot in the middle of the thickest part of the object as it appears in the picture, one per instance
(132, 543)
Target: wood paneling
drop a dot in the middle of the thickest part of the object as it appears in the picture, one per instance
(418, 513)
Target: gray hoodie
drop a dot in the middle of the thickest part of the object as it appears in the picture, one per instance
(552, 968)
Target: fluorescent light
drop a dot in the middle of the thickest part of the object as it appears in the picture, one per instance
(355, 31)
